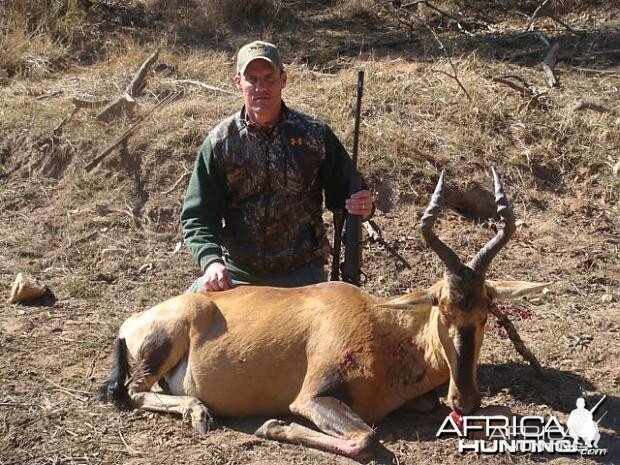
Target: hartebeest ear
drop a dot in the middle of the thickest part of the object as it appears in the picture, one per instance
(416, 300)
(508, 290)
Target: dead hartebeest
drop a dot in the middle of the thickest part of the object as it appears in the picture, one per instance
(329, 352)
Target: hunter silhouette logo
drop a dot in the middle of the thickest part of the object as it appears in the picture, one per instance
(581, 424)
(296, 141)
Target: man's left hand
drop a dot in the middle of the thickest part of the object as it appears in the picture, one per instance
(360, 204)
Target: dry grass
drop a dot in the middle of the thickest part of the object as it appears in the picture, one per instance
(105, 241)
(35, 36)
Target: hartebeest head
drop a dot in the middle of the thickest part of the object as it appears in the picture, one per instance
(461, 301)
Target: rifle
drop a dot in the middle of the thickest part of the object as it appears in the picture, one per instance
(353, 231)
(338, 224)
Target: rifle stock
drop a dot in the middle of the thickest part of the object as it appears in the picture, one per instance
(338, 224)
(353, 230)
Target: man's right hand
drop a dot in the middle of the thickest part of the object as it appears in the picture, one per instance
(217, 278)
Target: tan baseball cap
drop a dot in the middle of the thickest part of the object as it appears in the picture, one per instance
(258, 50)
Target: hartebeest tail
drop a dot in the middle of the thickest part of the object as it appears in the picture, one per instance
(115, 389)
(331, 353)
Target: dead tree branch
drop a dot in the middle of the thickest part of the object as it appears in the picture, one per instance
(461, 22)
(505, 322)
(455, 76)
(530, 23)
(89, 104)
(203, 85)
(375, 235)
(126, 102)
(548, 65)
(567, 26)
(176, 184)
(524, 89)
(58, 129)
(597, 71)
(123, 137)
(137, 83)
(586, 105)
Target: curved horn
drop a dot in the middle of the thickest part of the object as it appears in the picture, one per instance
(480, 263)
(445, 253)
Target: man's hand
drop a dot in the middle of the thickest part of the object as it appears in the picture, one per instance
(360, 204)
(217, 278)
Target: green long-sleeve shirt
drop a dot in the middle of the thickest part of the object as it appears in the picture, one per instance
(260, 194)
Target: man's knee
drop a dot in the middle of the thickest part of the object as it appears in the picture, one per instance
(197, 286)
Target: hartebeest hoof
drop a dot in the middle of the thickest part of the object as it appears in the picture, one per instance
(374, 452)
(267, 430)
(200, 417)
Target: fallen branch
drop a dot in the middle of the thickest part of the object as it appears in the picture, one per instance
(49, 94)
(460, 21)
(95, 161)
(524, 91)
(567, 26)
(137, 83)
(126, 102)
(530, 23)
(374, 234)
(612, 51)
(203, 85)
(58, 129)
(455, 76)
(176, 184)
(587, 105)
(123, 104)
(543, 38)
(89, 104)
(548, 64)
(526, 53)
(597, 71)
(505, 322)
(130, 449)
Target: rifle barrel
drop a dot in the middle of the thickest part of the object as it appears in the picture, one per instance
(598, 403)
(353, 230)
(358, 117)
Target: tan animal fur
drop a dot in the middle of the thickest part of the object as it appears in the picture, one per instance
(330, 352)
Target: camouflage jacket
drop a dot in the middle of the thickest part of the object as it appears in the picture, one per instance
(259, 194)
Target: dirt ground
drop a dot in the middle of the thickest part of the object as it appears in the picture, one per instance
(107, 242)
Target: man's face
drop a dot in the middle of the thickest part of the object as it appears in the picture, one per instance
(262, 86)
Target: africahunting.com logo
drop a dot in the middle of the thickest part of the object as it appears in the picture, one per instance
(531, 434)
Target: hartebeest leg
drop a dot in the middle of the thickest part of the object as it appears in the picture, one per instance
(189, 407)
(192, 409)
(344, 432)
